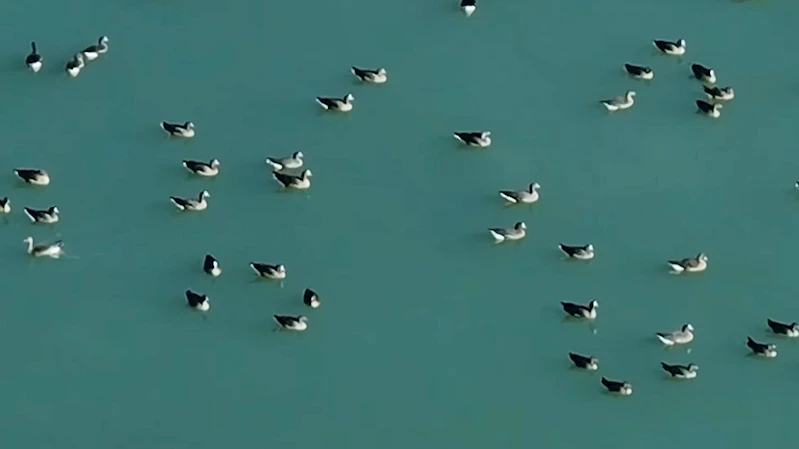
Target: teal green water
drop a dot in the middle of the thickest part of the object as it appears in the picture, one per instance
(429, 335)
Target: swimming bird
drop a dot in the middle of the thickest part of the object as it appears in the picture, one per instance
(191, 204)
(704, 74)
(789, 330)
(585, 362)
(469, 7)
(670, 48)
(33, 176)
(185, 130)
(299, 182)
(581, 311)
(53, 250)
(480, 139)
(719, 93)
(639, 71)
(211, 266)
(690, 265)
(75, 65)
(293, 161)
(517, 232)
(680, 337)
(5, 205)
(377, 76)
(709, 109)
(198, 301)
(762, 349)
(311, 299)
(337, 104)
(585, 252)
(292, 323)
(620, 103)
(681, 371)
(47, 216)
(528, 196)
(207, 169)
(622, 388)
(263, 270)
(34, 60)
(93, 51)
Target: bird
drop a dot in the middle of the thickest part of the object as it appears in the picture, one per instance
(709, 109)
(211, 266)
(298, 182)
(581, 311)
(789, 330)
(517, 232)
(670, 48)
(93, 51)
(589, 363)
(585, 252)
(680, 337)
(198, 301)
(681, 371)
(479, 139)
(207, 169)
(704, 74)
(469, 7)
(191, 204)
(263, 270)
(33, 176)
(292, 323)
(34, 60)
(528, 196)
(622, 388)
(293, 161)
(766, 350)
(75, 65)
(185, 130)
(53, 250)
(47, 216)
(620, 103)
(311, 299)
(719, 93)
(5, 205)
(337, 104)
(689, 265)
(376, 76)
(639, 71)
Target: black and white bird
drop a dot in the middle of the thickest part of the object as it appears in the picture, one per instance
(198, 301)
(292, 323)
(75, 65)
(639, 71)
(277, 272)
(589, 363)
(311, 299)
(704, 74)
(337, 104)
(53, 250)
(618, 387)
(44, 216)
(5, 205)
(674, 48)
(373, 76)
(93, 51)
(581, 311)
(517, 232)
(585, 252)
(719, 93)
(469, 7)
(689, 265)
(211, 266)
(762, 349)
(788, 330)
(709, 109)
(625, 101)
(297, 182)
(296, 160)
(190, 203)
(34, 60)
(185, 130)
(681, 371)
(479, 139)
(207, 169)
(528, 196)
(33, 176)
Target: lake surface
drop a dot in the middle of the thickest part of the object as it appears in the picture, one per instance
(429, 334)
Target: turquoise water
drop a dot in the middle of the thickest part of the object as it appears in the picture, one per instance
(429, 335)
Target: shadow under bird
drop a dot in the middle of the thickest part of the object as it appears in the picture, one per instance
(211, 266)
(585, 252)
(704, 74)
(198, 301)
(618, 387)
(517, 232)
(681, 371)
(766, 350)
(712, 110)
(292, 323)
(297, 182)
(34, 60)
(311, 299)
(376, 76)
(719, 93)
(682, 336)
(640, 72)
(190, 204)
(281, 163)
(588, 312)
(689, 265)
(33, 176)
(625, 101)
(344, 104)
(528, 196)
(477, 139)
(589, 363)
(277, 272)
(672, 48)
(46, 216)
(53, 250)
(92, 52)
(185, 130)
(201, 168)
(788, 330)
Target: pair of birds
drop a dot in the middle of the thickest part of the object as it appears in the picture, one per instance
(591, 363)
(35, 61)
(202, 303)
(769, 350)
(345, 104)
(212, 268)
(281, 167)
(31, 176)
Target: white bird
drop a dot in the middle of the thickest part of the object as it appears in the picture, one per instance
(479, 139)
(584, 252)
(33, 176)
(298, 182)
(93, 51)
(277, 272)
(311, 299)
(709, 109)
(704, 74)
(291, 162)
(191, 204)
(788, 330)
(198, 301)
(679, 337)
(47, 216)
(469, 7)
(211, 266)
(292, 323)
(670, 48)
(75, 65)
(719, 93)
(337, 104)
(5, 205)
(528, 196)
(207, 169)
(689, 265)
(620, 103)
(617, 387)
(34, 60)
(639, 71)
(681, 371)
(53, 250)
(376, 76)
(766, 350)
(517, 232)
(185, 130)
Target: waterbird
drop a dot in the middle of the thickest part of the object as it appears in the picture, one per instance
(33, 176)
(620, 103)
(277, 272)
(681, 371)
(618, 387)
(639, 71)
(198, 301)
(789, 330)
(75, 65)
(185, 130)
(337, 104)
(585, 252)
(292, 323)
(211, 266)
(704, 74)
(580, 311)
(291, 162)
(528, 196)
(45, 216)
(682, 336)
(719, 93)
(5, 205)
(207, 169)
(311, 299)
(709, 109)
(517, 232)
(53, 250)
(93, 51)
(676, 48)
(689, 265)
(190, 203)
(298, 182)
(479, 139)
(34, 60)
(469, 7)
(589, 363)
(376, 76)
(762, 349)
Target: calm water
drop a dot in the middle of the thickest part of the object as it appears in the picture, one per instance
(429, 336)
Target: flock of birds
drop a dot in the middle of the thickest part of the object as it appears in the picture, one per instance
(289, 171)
